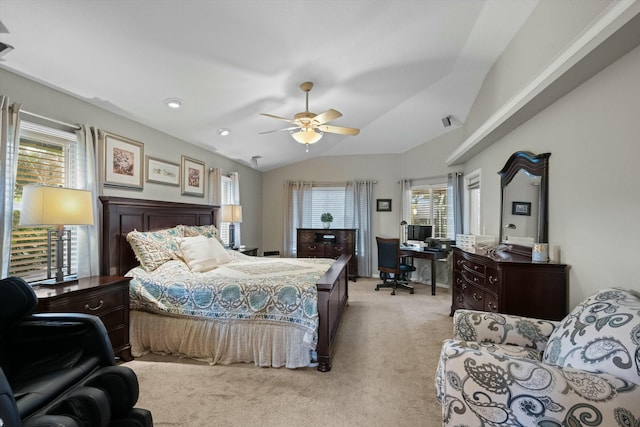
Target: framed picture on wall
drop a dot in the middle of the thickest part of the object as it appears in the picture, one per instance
(383, 205)
(193, 178)
(162, 172)
(521, 208)
(123, 162)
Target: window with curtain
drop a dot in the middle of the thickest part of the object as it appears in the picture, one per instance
(227, 192)
(45, 156)
(428, 205)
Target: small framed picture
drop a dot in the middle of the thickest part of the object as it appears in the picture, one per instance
(521, 208)
(162, 172)
(193, 178)
(383, 205)
(123, 162)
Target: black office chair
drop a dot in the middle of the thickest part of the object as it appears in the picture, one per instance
(393, 273)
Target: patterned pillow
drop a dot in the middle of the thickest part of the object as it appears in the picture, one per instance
(154, 248)
(602, 334)
(200, 230)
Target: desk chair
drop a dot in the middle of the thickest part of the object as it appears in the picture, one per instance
(393, 272)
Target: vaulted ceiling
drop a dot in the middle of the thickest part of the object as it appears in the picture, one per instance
(393, 68)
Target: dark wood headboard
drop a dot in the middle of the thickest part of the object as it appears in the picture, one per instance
(120, 215)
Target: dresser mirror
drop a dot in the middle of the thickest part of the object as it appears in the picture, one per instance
(524, 210)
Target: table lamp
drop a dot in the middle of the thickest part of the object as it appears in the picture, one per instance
(56, 206)
(231, 214)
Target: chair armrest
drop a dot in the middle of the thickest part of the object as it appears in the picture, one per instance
(45, 342)
(477, 387)
(482, 326)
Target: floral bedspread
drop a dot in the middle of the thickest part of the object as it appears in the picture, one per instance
(247, 288)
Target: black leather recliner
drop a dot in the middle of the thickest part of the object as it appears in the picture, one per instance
(58, 369)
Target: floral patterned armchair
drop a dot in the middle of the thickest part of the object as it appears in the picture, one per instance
(503, 370)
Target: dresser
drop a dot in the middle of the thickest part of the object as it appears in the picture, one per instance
(329, 243)
(509, 283)
(102, 296)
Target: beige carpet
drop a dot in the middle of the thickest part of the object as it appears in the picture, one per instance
(382, 374)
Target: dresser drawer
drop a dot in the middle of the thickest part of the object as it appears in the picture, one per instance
(472, 278)
(473, 267)
(474, 297)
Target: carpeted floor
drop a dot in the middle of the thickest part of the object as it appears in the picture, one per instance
(382, 374)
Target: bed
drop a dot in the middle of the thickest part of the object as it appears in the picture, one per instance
(218, 336)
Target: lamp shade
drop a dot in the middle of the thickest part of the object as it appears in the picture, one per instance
(307, 136)
(42, 205)
(231, 213)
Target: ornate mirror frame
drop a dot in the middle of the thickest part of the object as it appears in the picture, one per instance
(537, 166)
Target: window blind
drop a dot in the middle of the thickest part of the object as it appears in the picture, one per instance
(45, 156)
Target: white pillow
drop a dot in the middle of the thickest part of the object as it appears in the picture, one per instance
(202, 253)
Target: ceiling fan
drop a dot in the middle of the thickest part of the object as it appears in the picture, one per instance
(310, 127)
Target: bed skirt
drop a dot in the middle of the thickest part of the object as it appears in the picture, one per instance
(221, 342)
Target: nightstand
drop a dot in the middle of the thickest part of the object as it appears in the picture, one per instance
(249, 251)
(102, 296)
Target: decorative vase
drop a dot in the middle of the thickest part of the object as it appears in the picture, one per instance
(326, 224)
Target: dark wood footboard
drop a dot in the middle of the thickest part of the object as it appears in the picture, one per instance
(333, 297)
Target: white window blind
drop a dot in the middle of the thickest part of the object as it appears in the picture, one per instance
(227, 199)
(45, 156)
(428, 206)
(327, 199)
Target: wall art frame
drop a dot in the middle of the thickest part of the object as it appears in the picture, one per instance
(160, 171)
(521, 208)
(123, 162)
(193, 177)
(383, 205)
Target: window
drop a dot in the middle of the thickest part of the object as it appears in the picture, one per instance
(45, 156)
(428, 206)
(227, 199)
(472, 202)
(327, 199)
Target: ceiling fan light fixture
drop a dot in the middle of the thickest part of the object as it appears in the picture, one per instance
(307, 135)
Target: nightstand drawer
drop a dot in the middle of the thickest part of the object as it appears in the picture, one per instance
(96, 303)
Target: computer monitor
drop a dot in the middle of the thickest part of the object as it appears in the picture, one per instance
(419, 232)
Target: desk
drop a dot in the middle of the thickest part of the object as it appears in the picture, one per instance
(430, 255)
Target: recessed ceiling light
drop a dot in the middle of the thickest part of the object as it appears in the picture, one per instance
(224, 131)
(173, 102)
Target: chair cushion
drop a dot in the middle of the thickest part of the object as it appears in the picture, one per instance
(17, 300)
(602, 334)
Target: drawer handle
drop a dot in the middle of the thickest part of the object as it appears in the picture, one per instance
(313, 248)
(339, 248)
(459, 281)
(492, 306)
(463, 286)
(100, 304)
(493, 280)
(476, 267)
(477, 297)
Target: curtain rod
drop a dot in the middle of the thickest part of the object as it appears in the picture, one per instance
(427, 177)
(76, 127)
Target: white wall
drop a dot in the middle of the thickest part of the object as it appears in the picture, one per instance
(387, 170)
(42, 100)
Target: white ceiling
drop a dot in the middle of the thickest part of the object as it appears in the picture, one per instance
(394, 68)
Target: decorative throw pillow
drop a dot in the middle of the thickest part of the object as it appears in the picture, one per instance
(202, 253)
(154, 248)
(200, 230)
(602, 334)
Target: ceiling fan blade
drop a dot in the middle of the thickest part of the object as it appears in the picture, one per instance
(339, 129)
(279, 130)
(327, 116)
(277, 117)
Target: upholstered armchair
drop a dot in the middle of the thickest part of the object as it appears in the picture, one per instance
(503, 370)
